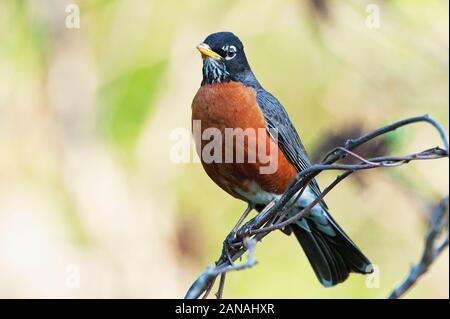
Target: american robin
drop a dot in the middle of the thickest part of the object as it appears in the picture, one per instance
(230, 97)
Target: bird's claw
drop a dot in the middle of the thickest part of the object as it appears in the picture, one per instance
(227, 246)
(244, 231)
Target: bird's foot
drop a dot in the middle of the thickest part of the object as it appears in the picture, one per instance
(228, 248)
(245, 230)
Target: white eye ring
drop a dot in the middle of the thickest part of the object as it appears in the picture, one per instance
(230, 50)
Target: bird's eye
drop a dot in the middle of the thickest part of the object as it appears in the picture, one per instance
(230, 51)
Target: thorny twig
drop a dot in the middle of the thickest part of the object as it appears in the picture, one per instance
(273, 216)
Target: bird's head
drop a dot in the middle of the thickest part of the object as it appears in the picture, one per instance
(223, 58)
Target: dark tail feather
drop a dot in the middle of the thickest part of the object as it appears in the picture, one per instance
(332, 257)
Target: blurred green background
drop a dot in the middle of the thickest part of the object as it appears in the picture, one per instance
(92, 206)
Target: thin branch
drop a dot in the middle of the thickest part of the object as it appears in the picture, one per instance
(362, 159)
(219, 292)
(431, 251)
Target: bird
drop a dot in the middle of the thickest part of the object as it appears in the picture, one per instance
(230, 97)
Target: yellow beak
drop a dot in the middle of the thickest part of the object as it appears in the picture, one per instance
(206, 51)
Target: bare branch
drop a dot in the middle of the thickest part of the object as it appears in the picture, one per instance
(206, 280)
(208, 290)
(432, 250)
(219, 292)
